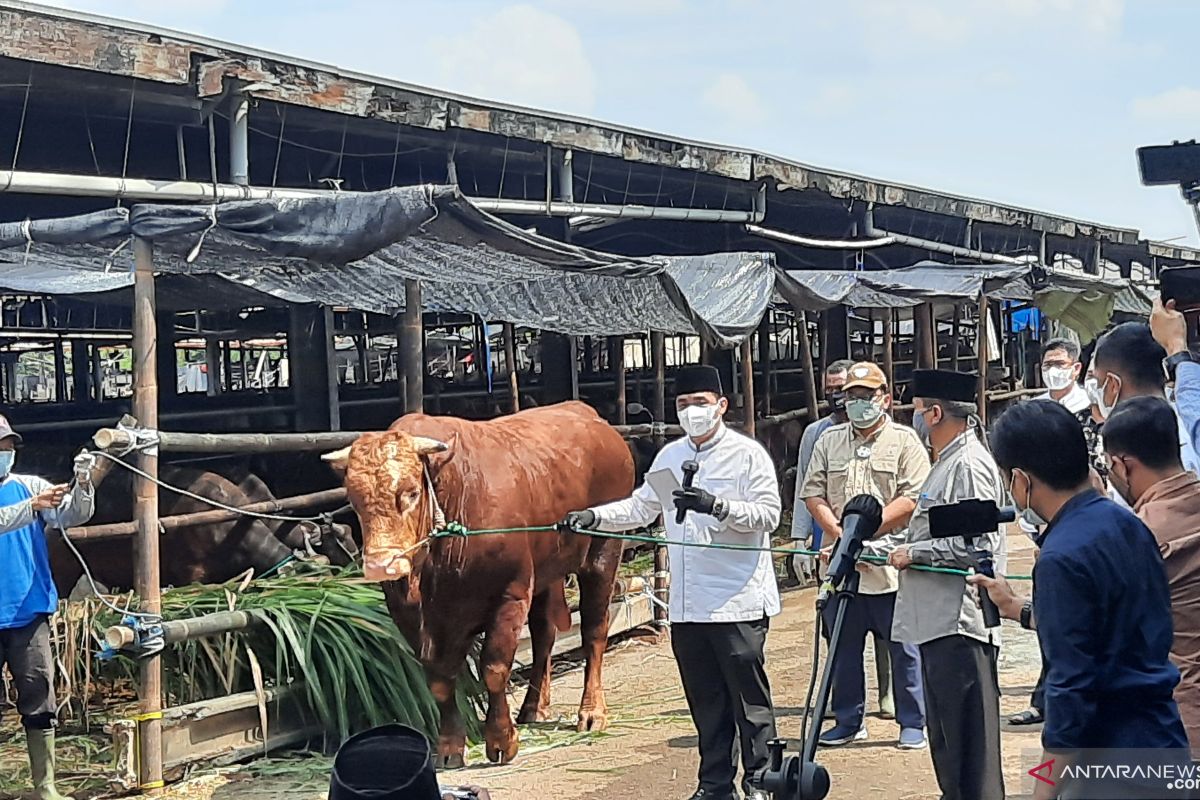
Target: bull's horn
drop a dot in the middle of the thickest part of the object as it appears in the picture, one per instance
(425, 446)
(338, 458)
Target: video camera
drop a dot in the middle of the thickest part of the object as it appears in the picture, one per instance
(970, 519)
(1178, 164)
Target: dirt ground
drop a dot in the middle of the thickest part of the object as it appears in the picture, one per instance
(649, 753)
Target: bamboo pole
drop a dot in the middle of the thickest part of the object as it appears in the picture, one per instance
(510, 361)
(955, 332)
(981, 348)
(658, 348)
(764, 361)
(411, 347)
(890, 323)
(808, 374)
(616, 361)
(173, 442)
(749, 410)
(117, 530)
(146, 565)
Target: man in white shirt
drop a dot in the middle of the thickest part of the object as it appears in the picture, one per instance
(721, 599)
(1060, 375)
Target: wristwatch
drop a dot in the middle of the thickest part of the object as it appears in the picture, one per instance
(1027, 615)
(1170, 363)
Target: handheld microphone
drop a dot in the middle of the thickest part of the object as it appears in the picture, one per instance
(860, 520)
(690, 468)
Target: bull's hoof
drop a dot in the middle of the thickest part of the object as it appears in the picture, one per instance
(592, 719)
(450, 753)
(530, 715)
(449, 761)
(502, 749)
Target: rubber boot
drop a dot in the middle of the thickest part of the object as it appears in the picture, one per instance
(41, 761)
(883, 674)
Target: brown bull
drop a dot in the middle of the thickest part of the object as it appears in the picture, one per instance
(525, 470)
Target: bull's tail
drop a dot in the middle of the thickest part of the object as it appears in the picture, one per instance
(558, 609)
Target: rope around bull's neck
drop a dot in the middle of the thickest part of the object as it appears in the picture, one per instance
(457, 529)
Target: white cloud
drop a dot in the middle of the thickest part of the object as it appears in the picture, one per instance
(620, 7)
(522, 55)
(734, 100)
(833, 99)
(1181, 104)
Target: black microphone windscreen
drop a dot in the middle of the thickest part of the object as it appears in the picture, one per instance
(864, 505)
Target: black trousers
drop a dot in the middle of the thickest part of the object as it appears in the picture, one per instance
(722, 666)
(28, 654)
(1038, 700)
(962, 710)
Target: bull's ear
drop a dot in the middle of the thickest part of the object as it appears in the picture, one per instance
(338, 459)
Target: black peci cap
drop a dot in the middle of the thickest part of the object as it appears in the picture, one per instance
(944, 384)
(699, 378)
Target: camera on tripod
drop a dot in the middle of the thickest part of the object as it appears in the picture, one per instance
(969, 520)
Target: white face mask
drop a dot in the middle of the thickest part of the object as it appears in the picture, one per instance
(7, 457)
(1030, 516)
(1102, 405)
(696, 421)
(1058, 378)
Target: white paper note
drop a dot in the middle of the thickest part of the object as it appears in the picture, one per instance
(665, 484)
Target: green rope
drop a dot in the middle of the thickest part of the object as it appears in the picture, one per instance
(458, 529)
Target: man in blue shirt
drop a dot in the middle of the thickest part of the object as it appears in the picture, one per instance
(1101, 604)
(28, 597)
(1181, 365)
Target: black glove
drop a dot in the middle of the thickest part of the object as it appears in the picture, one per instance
(578, 521)
(695, 499)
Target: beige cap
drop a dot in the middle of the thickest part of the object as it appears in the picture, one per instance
(866, 375)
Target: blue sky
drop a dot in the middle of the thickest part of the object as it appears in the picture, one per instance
(1038, 103)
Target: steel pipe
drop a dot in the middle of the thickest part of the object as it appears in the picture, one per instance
(194, 191)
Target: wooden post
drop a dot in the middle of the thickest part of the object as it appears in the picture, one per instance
(616, 361)
(955, 332)
(923, 333)
(146, 565)
(981, 348)
(823, 359)
(510, 363)
(80, 370)
(212, 362)
(658, 355)
(60, 372)
(312, 368)
(748, 405)
(411, 347)
(808, 373)
(764, 361)
(658, 348)
(890, 323)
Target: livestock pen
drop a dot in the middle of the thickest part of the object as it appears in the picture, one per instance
(218, 230)
(766, 272)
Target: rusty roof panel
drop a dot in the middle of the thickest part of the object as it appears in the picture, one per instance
(112, 50)
(728, 163)
(561, 133)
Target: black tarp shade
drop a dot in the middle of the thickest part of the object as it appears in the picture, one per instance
(355, 250)
(1081, 302)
